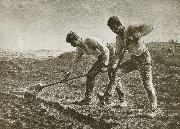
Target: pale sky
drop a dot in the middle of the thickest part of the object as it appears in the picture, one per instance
(43, 24)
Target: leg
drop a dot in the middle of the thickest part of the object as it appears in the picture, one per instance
(125, 67)
(107, 95)
(96, 68)
(146, 75)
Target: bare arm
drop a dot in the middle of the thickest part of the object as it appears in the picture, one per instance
(78, 56)
(119, 51)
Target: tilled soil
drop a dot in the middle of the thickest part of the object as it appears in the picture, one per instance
(17, 113)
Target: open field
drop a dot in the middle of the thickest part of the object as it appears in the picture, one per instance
(21, 71)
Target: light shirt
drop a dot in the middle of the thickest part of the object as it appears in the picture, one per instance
(134, 47)
(92, 46)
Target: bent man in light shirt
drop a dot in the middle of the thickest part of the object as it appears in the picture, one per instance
(130, 39)
(91, 46)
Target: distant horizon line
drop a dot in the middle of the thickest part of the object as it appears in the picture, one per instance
(54, 49)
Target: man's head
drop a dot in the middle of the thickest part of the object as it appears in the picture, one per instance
(115, 25)
(72, 38)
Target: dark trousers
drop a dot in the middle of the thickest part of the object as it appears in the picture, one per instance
(92, 73)
(96, 69)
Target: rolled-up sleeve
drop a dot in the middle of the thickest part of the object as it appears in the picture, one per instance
(144, 29)
(137, 31)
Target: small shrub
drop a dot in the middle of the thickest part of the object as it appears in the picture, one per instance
(172, 41)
